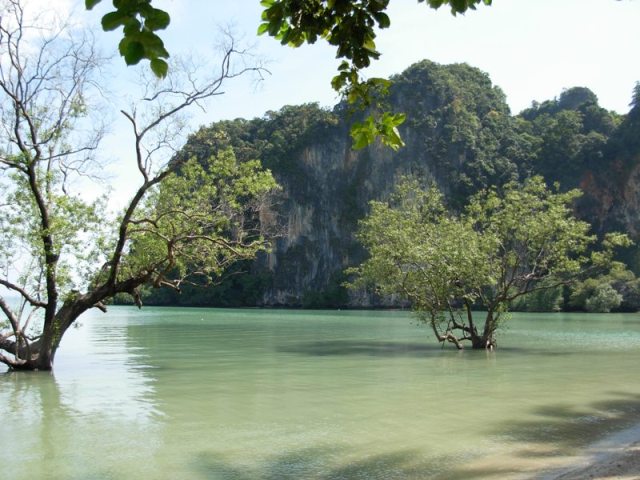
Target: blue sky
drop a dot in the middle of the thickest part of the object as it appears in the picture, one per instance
(532, 49)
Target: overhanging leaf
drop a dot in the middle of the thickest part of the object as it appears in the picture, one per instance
(133, 53)
(113, 20)
(159, 67)
(157, 20)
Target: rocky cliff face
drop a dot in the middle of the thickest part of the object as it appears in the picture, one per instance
(612, 188)
(459, 135)
(327, 185)
(612, 199)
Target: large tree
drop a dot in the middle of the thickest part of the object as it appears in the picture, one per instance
(61, 254)
(506, 244)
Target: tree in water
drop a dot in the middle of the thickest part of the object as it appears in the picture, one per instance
(61, 254)
(506, 244)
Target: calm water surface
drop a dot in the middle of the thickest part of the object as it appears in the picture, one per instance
(251, 394)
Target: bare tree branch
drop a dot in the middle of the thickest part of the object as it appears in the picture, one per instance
(23, 293)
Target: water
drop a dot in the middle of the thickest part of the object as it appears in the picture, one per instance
(251, 394)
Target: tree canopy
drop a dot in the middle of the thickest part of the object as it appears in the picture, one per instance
(62, 254)
(506, 244)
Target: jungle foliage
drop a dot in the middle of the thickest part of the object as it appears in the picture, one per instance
(461, 135)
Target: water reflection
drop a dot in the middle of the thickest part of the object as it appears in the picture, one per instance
(31, 403)
(103, 370)
(78, 422)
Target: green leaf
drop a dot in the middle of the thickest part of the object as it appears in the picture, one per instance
(388, 130)
(121, 4)
(339, 81)
(459, 5)
(153, 45)
(263, 28)
(369, 44)
(392, 139)
(89, 4)
(131, 27)
(364, 133)
(133, 52)
(159, 67)
(157, 19)
(383, 20)
(274, 28)
(113, 20)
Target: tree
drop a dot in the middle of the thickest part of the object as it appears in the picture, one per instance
(504, 245)
(604, 299)
(419, 251)
(350, 26)
(61, 254)
(617, 289)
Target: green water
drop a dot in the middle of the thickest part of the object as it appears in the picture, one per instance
(251, 394)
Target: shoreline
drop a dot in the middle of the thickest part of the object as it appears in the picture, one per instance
(616, 457)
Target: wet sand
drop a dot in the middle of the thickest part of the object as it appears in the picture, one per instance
(617, 457)
(620, 464)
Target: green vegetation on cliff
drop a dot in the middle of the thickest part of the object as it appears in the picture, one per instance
(460, 136)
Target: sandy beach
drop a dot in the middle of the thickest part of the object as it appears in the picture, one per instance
(617, 457)
(623, 464)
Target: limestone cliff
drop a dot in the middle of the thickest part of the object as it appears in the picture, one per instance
(457, 130)
(459, 134)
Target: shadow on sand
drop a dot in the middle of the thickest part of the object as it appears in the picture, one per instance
(330, 463)
(557, 430)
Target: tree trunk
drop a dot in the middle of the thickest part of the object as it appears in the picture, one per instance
(487, 340)
(41, 353)
(48, 346)
(483, 343)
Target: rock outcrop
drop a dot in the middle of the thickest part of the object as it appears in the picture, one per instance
(459, 134)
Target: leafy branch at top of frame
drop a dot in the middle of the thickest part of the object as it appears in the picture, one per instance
(139, 21)
(348, 25)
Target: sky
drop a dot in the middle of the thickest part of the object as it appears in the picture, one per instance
(531, 49)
